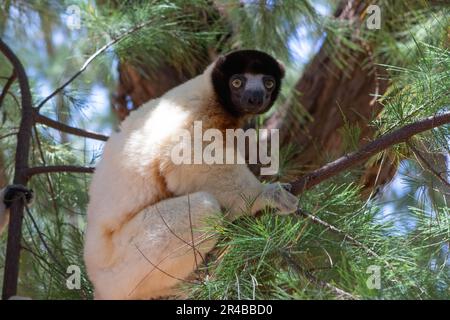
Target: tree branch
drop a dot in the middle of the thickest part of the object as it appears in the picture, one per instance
(58, 169)
(22, 172)
(66, 128)
(428, 165)
(339, 293)
(41, 237)
(49, 181)
(333, 229)
(11, 272)
(8, 135)
(91, 58)
(7, 86)
(352, 159)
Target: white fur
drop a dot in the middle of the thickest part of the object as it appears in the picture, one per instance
(126, 236)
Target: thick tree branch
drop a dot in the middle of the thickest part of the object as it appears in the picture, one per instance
(58, 169)
(11, 272)
(66, 128)
(352, 159)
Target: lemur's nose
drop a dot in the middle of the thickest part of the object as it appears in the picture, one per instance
(255, 98)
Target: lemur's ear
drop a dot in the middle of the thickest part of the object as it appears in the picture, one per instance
(282, 68)
(220, 60)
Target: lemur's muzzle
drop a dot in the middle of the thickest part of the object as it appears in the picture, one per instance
(253, 100)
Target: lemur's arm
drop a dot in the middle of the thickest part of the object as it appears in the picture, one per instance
(236, 188)
(7, 196)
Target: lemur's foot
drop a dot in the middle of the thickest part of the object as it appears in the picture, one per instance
(16, 191)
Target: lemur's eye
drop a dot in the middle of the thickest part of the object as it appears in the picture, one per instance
(269, 84)
(237, 83)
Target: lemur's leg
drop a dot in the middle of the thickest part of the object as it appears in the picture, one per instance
(7, 196)
(154, 248)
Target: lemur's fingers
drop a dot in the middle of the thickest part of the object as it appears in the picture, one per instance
(15, 191)
(280, 198)
(287, 203)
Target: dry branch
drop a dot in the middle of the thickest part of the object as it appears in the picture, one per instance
(58, 169)
(354, 158)
(66, 128)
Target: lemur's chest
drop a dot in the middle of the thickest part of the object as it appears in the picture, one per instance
(181, 161)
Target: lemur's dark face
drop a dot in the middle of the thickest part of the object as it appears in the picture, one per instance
(247, 81)
(251, 93)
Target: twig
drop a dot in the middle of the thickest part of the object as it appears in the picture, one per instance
(346, 236)
(161, 270)
(7, 86)
(349, 160)
(14, 98)
(323, 284)
(427, 164)
(11, 271)
(66, 128)
(176, 235)
(192, 231)
(164, 259)
(40, 259)
(58, 169)
(8, 135)
(91, 58)
(338, 231)
(44, 163)
(41, 237)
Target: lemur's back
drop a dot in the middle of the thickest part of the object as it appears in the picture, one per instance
(131, 164)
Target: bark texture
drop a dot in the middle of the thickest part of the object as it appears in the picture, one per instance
(331, 97)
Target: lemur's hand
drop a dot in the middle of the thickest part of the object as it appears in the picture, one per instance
(15, 191)
(278, 196)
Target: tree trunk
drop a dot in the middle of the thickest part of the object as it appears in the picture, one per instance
(333, 96)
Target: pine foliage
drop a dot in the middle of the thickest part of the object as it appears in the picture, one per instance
(403, 235)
